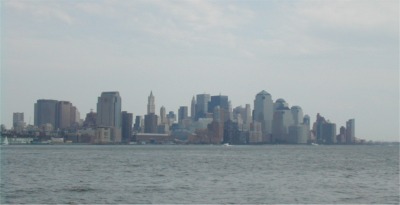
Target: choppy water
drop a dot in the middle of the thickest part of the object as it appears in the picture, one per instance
(199, 174)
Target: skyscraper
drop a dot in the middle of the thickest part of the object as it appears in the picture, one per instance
(151, 107)
(18, 118)
(350, 131)
(182, 114)
(202, 105)
(64, 111)
(109, 113)
(193, 108)
(263, 112)
(127, 122)
(45, 112)
(297, 114)
(223, 103)
(163, 115)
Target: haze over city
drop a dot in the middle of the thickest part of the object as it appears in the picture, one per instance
(337, 58)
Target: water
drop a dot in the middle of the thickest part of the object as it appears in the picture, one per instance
(199, 174)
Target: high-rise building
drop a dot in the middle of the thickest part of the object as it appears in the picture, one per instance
(328, 133)
(139, 123)
(193, 109)
(45, 112)
(151, 107)
(263, 112)
(150, 123)
(182, 114)
(109, 114)
(202, 105)
(127, 122)
(18, 118)
(350, 131)
(297, 114)
(163, 115)
(63, 115)
(90, 120)
(282, 119)
(223, 103)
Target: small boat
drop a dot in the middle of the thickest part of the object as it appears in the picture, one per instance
(5, 142)
(226, 145)
(314, 144)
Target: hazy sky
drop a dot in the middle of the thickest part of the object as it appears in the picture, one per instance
(337, 58)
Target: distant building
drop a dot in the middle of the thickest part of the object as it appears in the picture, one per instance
(223, 103)
(64, 118)
(350, 131)
(90, 120)
(193, 108)
(109, 114)
(328, 133)
(18, 121)
(127, 122)
(163, 116)
(202, 105)
(182, 114)
(282, 119)
(263, 112)
(45, 112)
(139, 124)
(150, 123)
(151, 107)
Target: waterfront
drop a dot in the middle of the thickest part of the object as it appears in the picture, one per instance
(199, 174)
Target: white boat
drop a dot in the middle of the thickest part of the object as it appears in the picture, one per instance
(5, 142)
(314, 144)
(226, 145)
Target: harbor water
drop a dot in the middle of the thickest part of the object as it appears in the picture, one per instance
(194, 174)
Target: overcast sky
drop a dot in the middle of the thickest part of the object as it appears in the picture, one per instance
(336, 58)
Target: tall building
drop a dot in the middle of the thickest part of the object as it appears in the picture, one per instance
(139, 124)
(150, 123)
(45, 112)
(193, 108)
(202, 105)
(163, 115)
(247, 117)
(127, 122)
(350, 131)
(328, 133)
(263, 112)
(282, 119)
(182, 114)
(297, 114)
(90, 120)
(223, 103)
(63, 115)
(18, 118)
(109, 114)
(151, 107)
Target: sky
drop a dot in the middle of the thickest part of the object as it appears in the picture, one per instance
(336, 58)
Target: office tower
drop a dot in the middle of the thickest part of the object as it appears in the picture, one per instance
(317, 128)
(341, 137)
(63, 115)
(127, 122)
(328, 133)
(163, 115)
(307, 121)
(218, 114)
(263, 112)
(171, 118)
(223, 103)
(109, 114)
(18, 119)
(298, 134)
(193, 109)
(182, 114)
(297, 114)
(150, 123)
(90, 120)
(151, 107)
(202, 105)
(45, 112)
(282, 119)
(350, 131)
(139, 123)
(247, 117)
(75, 115)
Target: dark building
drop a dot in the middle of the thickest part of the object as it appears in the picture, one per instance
(182, 114)
(90, 120)
(232, 134)
(45, 112)
(223, 103)
(127, 122)
(328, 133)
(138, 126)
(150, 123)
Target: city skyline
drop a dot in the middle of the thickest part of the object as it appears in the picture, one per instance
(337, 58)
